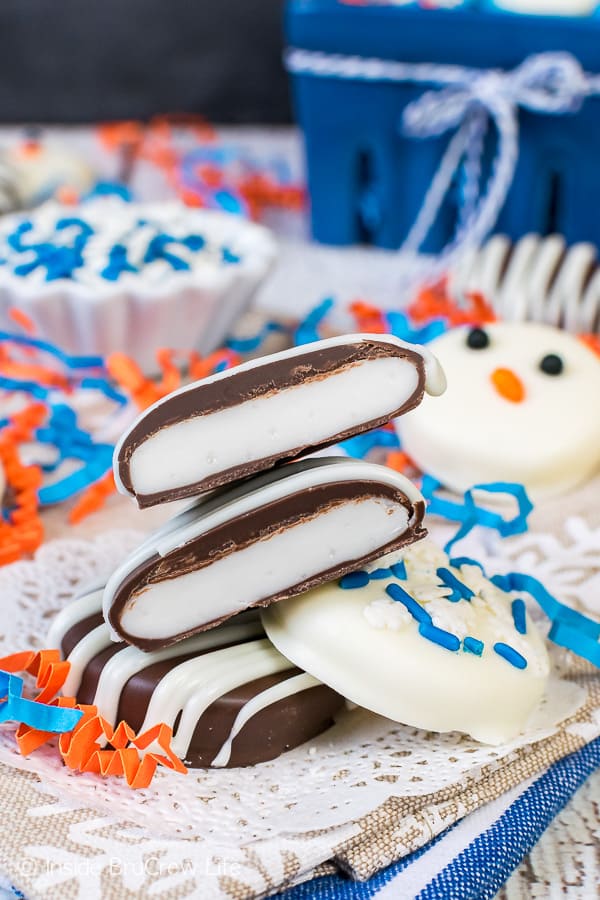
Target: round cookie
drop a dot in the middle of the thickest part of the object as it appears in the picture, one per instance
(229, 696)
(422, 640)
(521, 406)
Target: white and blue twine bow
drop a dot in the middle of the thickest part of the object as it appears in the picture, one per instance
(465, 100)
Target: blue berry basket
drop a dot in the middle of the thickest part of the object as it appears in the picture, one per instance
(368, 178)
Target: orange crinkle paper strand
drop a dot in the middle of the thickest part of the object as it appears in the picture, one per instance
(132, 756)
(22, 532)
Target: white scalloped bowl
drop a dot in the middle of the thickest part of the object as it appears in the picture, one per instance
(144, 310)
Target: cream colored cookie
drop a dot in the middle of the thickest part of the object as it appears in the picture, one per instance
(503, 417)
(421, 641)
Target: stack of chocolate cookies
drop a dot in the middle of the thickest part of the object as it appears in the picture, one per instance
(175, 635)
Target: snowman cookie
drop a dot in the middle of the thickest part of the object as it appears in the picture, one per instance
(421, 639)
(521, 406)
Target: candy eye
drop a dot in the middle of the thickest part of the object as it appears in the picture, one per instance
(478, 339)
(552, 364)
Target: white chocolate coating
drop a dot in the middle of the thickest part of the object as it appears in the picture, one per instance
(310, 413)
(246, 576)
(353, 641)
(534, 279)
(550, 441)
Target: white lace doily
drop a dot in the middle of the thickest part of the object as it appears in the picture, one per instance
(341, 776)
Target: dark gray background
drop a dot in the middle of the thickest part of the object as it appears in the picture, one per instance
(86, 60)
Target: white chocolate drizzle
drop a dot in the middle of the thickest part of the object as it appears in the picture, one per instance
(261, 701)
(188, 689)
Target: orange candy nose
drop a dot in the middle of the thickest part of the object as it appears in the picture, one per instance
(508, 385)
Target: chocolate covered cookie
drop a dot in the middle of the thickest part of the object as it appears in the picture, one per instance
(260, 541)
(229, 696)
(244, 420)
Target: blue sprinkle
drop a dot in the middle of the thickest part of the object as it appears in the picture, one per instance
(459, 561)
(518, 613)
(308, 330)
(380, 574)
(399, 570)
(415, 609)
(101, 384)
(354, 580)
(473, 645)
(29, 387)
(157, 249)
(117, 263)
(194, 242)
(460, 591)
(74, 221)
(511, 655)
(14, 239)
(229, 202)
(253, 342)
(229, 257)
(400, 326)
(110, 189)
(438, 636)
(72, 362)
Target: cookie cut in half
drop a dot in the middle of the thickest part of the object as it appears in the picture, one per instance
(246, 419)
(267, 538)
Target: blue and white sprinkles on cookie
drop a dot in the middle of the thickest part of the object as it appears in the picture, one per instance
(108, 241)
(422, 589)
(423, 639)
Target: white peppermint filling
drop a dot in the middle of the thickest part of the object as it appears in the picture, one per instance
(247, 576)
(271, 425)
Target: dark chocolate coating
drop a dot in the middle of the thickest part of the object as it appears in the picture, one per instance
(279, 727)
(262, 380)
(260, 524)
